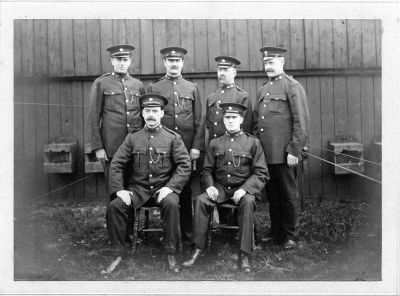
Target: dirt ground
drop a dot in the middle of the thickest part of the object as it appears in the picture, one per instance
(338, 241)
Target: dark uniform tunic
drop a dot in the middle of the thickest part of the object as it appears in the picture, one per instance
(281, 121)
(114, 112)
(183, 114)
(233, 161)
(215, 118)
(158, 159)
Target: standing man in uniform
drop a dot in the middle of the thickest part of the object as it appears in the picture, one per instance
(160, 169)
(114, 107)
(235, 171)
(281, 122)
(183, 114)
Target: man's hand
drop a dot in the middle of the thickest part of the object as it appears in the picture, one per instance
(212, 193)
(237, 195)
(101, 155)
(125, 195)
(292, 161)
(162, 193)
(194, 154)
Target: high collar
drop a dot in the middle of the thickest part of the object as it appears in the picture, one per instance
(119, 75)
(225, 86)
(277, 77)
(173, 77)
(235, 134)
(153, 130)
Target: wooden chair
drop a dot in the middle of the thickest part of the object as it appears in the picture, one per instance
(230, 226)
(137, 229)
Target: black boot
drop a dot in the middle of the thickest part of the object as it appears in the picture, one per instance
(172, 264)
(195, 256)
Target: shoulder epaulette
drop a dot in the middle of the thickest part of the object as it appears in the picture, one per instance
(187, 79)
(161, 78)
(250, 135)
(290, 78)
(104, 75)
(266, 81)
(170, 131)
(241, 89)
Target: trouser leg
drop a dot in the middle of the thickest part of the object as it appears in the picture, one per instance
(119, 215)
(170, 217)
(289, 201)
(273, 197)
(185, 203)
(202, 209)
(247, 207)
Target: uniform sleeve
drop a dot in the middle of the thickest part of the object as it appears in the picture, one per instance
(248, 117)
(182, 163)
(118, 166)
(199, 122)
(255, 114)
(300, 118)
(207, 172)
(260, 175)
(96, 102)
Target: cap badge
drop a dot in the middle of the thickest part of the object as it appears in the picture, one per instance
(230, 108)
(173, 52)
(151, 99)
(121, 49)
(222, 61)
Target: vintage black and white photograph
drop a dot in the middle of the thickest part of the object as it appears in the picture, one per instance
(174, 149)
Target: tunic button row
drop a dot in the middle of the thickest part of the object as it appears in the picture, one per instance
(151, 187)
(151, 136)
(261, 129)
(232, 140)
(175, 93)
(151, 148)
(230, 150)
(265, 105)
(267, 94)
(176, 104)
(228, 176)
(176, 116)
(127, 125)
(126, 101)
(215, 123)
(262, 117)
(215, 135)
(174, 82)
(222, 91)
(150, 175)
(125, 88)
(229, 162)
(176, 128)
(127, 112)
(229, 187)
(216, 112)
(271, 82)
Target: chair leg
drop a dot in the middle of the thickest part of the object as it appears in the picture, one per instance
(210, 225)
(146, 225)
(135, 231)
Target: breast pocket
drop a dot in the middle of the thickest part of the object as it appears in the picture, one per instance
(109, 98)
(219, 156)
(276, 103)
(139, 157)
(186, 102)
(242, 159)
(163, 155)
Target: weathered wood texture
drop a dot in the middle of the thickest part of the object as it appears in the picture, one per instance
(68, 49)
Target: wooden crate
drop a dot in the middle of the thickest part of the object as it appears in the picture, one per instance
(92, 164)
(348, 153)
(60, 157)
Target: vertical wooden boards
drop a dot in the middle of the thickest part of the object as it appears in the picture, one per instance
(17, 47)
(77, 131)
(42, 136)
(133, 38)
(214, 43)
(354, 106)
(80, 48)
(160, 41)
(93, 47)
(242, 44)
(29, 166)
(28, 48)
(325, 44)
(340, 44)
(54, 132)
(200, 45)
(146, 46)
(327, 133)
(354, 42)
(18, 142)
(378, 42)
(297, 44)
(54, 47)
(119, 31)
(187, 42)
(313, 165)
(311, 32)
(340, 100)
(90, 183)
(67, 49)
(269, 33)
(255, 43)
(378, 106)
(106, 40)
(368, 43)
(250, 85)
(227, 37)
(40, 29)
(283, 39)
(173, 33)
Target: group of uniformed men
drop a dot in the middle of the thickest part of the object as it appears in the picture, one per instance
(149, 141)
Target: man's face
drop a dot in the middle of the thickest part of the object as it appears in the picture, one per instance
(232, 122)
(121, 64)
(173, 66)
(274, 66)
(226, 75)
(152, 116)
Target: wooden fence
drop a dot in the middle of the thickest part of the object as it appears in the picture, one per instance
(55, 62)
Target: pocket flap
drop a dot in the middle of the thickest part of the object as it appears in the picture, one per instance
(277, 97)
(219, 152)
(187, 96)
(242, 153)
(139, 151)
(112, 92)
(163, 150)
(134, 93)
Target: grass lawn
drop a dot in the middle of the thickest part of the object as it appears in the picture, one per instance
(338, 241)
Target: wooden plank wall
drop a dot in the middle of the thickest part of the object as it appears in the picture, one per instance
(63, 52)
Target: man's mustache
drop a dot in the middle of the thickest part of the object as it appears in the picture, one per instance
(150, 118)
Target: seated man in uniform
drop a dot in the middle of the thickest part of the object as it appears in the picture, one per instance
(234, 171)
(160, 169)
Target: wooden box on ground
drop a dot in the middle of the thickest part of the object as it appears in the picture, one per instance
(60, 157)
(92, 164)
(347, 153)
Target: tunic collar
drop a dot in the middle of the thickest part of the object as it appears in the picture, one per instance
(235, 134)
(119, 75)
(227, 85)
(173, 77)
(277, 77)
(153, 130)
